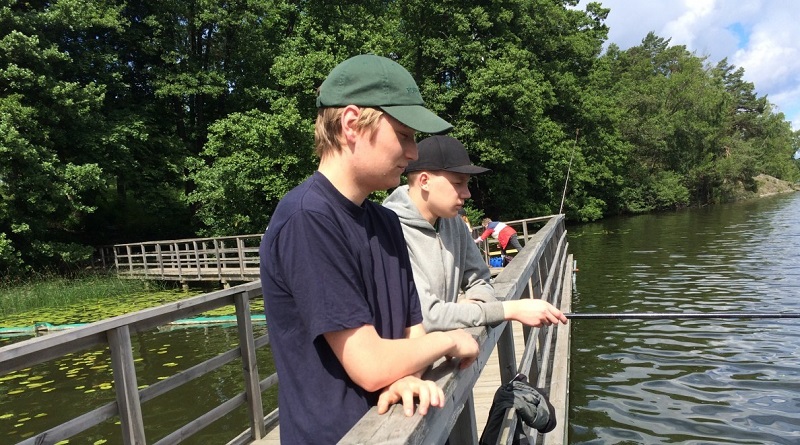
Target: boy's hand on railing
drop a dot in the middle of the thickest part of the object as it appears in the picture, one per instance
(533, 312)
(406, 390)
(465, 347)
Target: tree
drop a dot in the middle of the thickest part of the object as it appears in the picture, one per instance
(53, 128)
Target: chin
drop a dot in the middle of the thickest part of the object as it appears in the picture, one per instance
(391, 182)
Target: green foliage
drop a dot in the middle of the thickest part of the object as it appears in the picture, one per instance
(253, 160)
(51, 292)
(141, 120)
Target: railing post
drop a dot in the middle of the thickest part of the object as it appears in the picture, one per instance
(465, 430)
(240, 251)
(160, 259)
(506, 355)
(219, 259)
(130, 257)
(249, 365)
(196, 252)
(177, 254)
(130, 408)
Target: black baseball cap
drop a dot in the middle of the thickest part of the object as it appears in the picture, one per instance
(444, 153)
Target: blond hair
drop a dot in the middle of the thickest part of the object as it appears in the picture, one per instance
(485, 222)
(328, 128)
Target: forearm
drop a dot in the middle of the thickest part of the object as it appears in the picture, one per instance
(444, 316)
(373, 362)
(395, 359)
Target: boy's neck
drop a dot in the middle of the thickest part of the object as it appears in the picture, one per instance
(338, 173)
(422, 206)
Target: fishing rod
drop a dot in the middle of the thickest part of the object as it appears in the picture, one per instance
(569, 168)
(677, 315)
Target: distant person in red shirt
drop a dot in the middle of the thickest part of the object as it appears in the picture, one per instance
(504, 234)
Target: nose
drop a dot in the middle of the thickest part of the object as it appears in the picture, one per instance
(411, 151)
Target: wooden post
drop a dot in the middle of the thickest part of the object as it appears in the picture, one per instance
(506, 355)
(250, 365)
(240, 251)
(465, 430)
(130, 408)
(130, 261)
(219, 259)
(160, 259)
(196, 258)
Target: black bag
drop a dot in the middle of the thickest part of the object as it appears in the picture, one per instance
(531, 405)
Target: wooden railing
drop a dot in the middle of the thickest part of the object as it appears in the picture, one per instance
(541, 270)
(116, 333)
(229, 258)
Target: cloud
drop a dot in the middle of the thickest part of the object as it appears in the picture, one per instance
(761, 36)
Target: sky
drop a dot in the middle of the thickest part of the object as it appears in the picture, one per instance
(761, 36)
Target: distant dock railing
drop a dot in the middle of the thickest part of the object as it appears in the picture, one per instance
(223, 259)
(543, 269)
(230, 258)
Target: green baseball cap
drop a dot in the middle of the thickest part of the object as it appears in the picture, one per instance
(369, 80)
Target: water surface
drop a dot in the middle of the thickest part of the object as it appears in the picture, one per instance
(709, 381)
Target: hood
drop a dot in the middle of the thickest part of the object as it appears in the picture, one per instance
(400, 202)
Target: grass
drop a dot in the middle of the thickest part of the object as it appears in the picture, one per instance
(54, 292)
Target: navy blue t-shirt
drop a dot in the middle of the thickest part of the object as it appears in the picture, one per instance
(327, 265)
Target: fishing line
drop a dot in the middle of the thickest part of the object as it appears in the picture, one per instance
(569, 168)
(677, 315)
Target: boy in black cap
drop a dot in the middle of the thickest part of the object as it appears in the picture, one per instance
(342, 310)
(443, 255)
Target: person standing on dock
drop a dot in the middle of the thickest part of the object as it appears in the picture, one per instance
(342, 310)
(504, 234)
(443, 256)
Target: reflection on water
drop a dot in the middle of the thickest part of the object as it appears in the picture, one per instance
(36, 399)
(709, 381)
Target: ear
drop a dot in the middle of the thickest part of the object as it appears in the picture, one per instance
(348, 121)
(423, 180)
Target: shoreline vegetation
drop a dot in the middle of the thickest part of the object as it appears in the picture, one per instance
(22, 302)
(90, 297)
(150, 149)
(55, 291)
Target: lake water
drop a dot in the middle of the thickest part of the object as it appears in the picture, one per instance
(632, 382)
(35, 399)
(702, 381)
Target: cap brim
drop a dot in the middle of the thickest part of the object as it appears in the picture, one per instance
(419, 118)
(468, 169)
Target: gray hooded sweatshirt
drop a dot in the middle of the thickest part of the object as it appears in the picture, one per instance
(444, 263)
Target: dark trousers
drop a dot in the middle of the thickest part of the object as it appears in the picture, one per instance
(513, 242)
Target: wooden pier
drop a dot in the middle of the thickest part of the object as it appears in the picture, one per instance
(221, 259)
(543, 269)
(229, 258)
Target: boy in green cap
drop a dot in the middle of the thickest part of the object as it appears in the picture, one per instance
(342, 310)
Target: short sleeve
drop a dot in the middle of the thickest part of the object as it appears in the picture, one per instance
(324, 278)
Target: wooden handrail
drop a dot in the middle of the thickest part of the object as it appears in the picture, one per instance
(116, 333)
(546, 247)
(541, 270)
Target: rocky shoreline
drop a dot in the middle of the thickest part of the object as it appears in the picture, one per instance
(769, 185)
